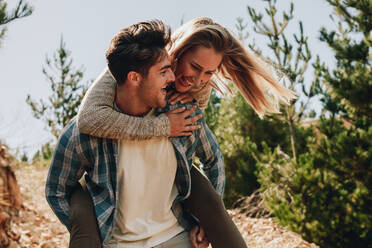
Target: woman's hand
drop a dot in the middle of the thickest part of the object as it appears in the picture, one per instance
(180, 126)
(198, 238)
(179, 97)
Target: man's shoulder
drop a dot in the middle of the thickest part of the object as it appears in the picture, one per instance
(67, 132)
(71, 134)
(73, 142)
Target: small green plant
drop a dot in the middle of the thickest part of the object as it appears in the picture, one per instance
(43, 156)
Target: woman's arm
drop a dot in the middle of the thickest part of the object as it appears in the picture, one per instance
(97, 116)
(202, 96)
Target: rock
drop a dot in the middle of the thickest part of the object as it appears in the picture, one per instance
(13, 244)
(49, 245)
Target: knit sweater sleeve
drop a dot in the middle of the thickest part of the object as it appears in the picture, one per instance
(97, 116)
(202, 95)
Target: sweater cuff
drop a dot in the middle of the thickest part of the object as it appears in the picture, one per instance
(162, 128)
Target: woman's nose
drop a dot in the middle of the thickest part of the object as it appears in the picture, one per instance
(197, 80)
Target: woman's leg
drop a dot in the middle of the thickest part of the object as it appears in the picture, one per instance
(206, 204)
(84, 232)
(181, 240)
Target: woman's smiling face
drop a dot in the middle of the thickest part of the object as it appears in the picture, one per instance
(196, 66)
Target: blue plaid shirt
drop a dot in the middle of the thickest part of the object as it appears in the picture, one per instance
(79, 154)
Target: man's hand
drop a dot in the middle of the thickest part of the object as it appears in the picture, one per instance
(179, 97)
(180, 126)
(198, 238)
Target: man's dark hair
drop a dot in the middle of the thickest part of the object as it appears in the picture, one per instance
(137, 48)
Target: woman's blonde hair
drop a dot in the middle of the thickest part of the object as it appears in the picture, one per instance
(248, 72)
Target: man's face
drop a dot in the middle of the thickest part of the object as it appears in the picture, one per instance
(152, 88)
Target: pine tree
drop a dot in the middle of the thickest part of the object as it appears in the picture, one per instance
(350, 84)
(326, 196)
(290, 59)
(346, 152)
(237, 127)
(67, 91)
(22, 10)
(211, 111)
(240, 131)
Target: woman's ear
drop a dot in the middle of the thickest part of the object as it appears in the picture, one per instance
(134, 77)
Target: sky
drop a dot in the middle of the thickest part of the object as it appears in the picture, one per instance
(87, 28)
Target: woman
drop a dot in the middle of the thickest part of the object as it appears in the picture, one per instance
(200, 49)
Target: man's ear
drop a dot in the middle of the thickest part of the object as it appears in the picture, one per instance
(134, 77)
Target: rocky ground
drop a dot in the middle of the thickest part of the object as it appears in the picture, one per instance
(37, 226)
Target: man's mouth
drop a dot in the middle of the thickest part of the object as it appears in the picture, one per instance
(164, 90)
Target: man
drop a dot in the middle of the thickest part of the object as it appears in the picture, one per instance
(136, 186)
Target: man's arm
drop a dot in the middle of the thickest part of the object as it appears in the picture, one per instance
(209, 153)
(64, 172)
(97, 116)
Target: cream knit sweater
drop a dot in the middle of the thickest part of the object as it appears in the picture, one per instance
(97, 116)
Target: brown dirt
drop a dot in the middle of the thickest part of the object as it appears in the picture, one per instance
(265, 233)
(36, 223)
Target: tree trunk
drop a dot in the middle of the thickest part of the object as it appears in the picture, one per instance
(293, 140)
(10, 198)
(289, 119)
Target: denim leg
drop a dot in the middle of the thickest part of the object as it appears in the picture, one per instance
(84, 232)
(206, 204)
(181, 240)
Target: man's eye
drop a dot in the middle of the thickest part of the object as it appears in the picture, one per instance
(195, 67)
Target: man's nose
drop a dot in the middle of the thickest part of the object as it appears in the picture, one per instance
(171, 77)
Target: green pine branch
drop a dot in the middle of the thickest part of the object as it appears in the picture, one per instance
(67, 91)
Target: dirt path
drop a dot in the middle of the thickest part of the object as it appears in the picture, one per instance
(265, 233)
(37, 224)
(39, 227)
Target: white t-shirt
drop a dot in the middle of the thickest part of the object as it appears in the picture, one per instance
(146, 174)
